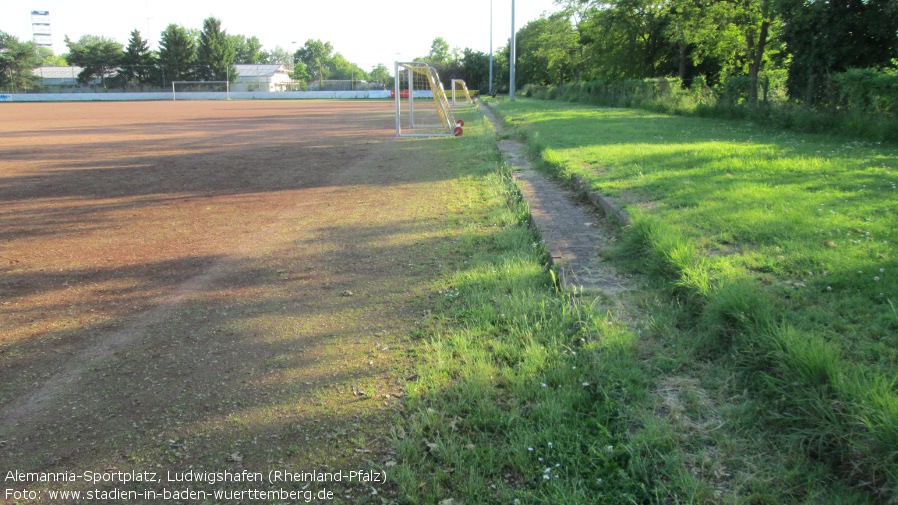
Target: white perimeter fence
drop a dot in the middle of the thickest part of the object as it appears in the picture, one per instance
(199, 95)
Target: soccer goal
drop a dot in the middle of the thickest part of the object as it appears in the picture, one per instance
(185, 89)
(422, 109)
(460, 94)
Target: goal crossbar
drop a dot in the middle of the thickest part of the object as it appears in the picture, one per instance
(227, 86)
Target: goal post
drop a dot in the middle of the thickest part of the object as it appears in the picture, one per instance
(183, 87)
(460, 94)
(422, 109)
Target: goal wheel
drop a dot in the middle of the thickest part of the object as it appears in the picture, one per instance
(460, 122)
(458, 131)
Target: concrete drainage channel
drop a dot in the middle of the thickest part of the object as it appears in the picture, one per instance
(573, 234)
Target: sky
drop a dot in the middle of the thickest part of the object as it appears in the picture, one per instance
(366, 32)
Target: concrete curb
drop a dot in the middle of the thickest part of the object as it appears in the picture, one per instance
(572, 232)
(607, 205)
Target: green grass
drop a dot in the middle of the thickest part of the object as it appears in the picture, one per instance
(528, 394)
(523, 392)
(781, 246)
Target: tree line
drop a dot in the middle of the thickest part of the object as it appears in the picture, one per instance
(808, 48)
(806, 45)
(207, 54)
(805, 42)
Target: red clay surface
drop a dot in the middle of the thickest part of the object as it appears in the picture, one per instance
(215, 284)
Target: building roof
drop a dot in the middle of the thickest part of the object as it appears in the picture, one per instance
(57, 72)
(243, 71)
(261, 70)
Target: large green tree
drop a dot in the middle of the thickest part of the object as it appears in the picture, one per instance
(625, 39)
(317, 57)
(247, 50)
(475, 67)
(50, 59)
(732, 37)
(177, 52)
(381, 74)
(825, 37)
(548, 51)
(16, 61)
(346, 70)
(300, 72)
(756, 19)
(446, 61)
(138, 62)
(439, 51)
(97, 55)
(215, 54)
(278, 55)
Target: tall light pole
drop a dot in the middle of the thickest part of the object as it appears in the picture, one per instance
(491, 47)
(511, 57)
(293, 56)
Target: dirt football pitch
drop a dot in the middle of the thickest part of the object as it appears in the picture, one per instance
(217, 286)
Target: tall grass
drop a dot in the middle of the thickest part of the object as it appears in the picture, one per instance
(838, 410)
(779, 246)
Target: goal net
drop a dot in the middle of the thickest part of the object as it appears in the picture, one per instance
(460, 94)
(192, 89)
(422, 108)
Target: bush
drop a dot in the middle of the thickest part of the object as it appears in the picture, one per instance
(868, 90)
(864, 103)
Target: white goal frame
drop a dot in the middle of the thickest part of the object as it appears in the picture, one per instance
(447, 126)
(174, 95)
(458, 84)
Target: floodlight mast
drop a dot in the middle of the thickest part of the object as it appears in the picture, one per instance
(511, 57)
(396, 95)
(491, 47)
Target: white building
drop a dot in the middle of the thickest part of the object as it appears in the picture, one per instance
(60, 77)
(261, 77)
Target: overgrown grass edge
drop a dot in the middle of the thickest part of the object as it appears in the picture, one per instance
(838, 410)
(526, 393)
